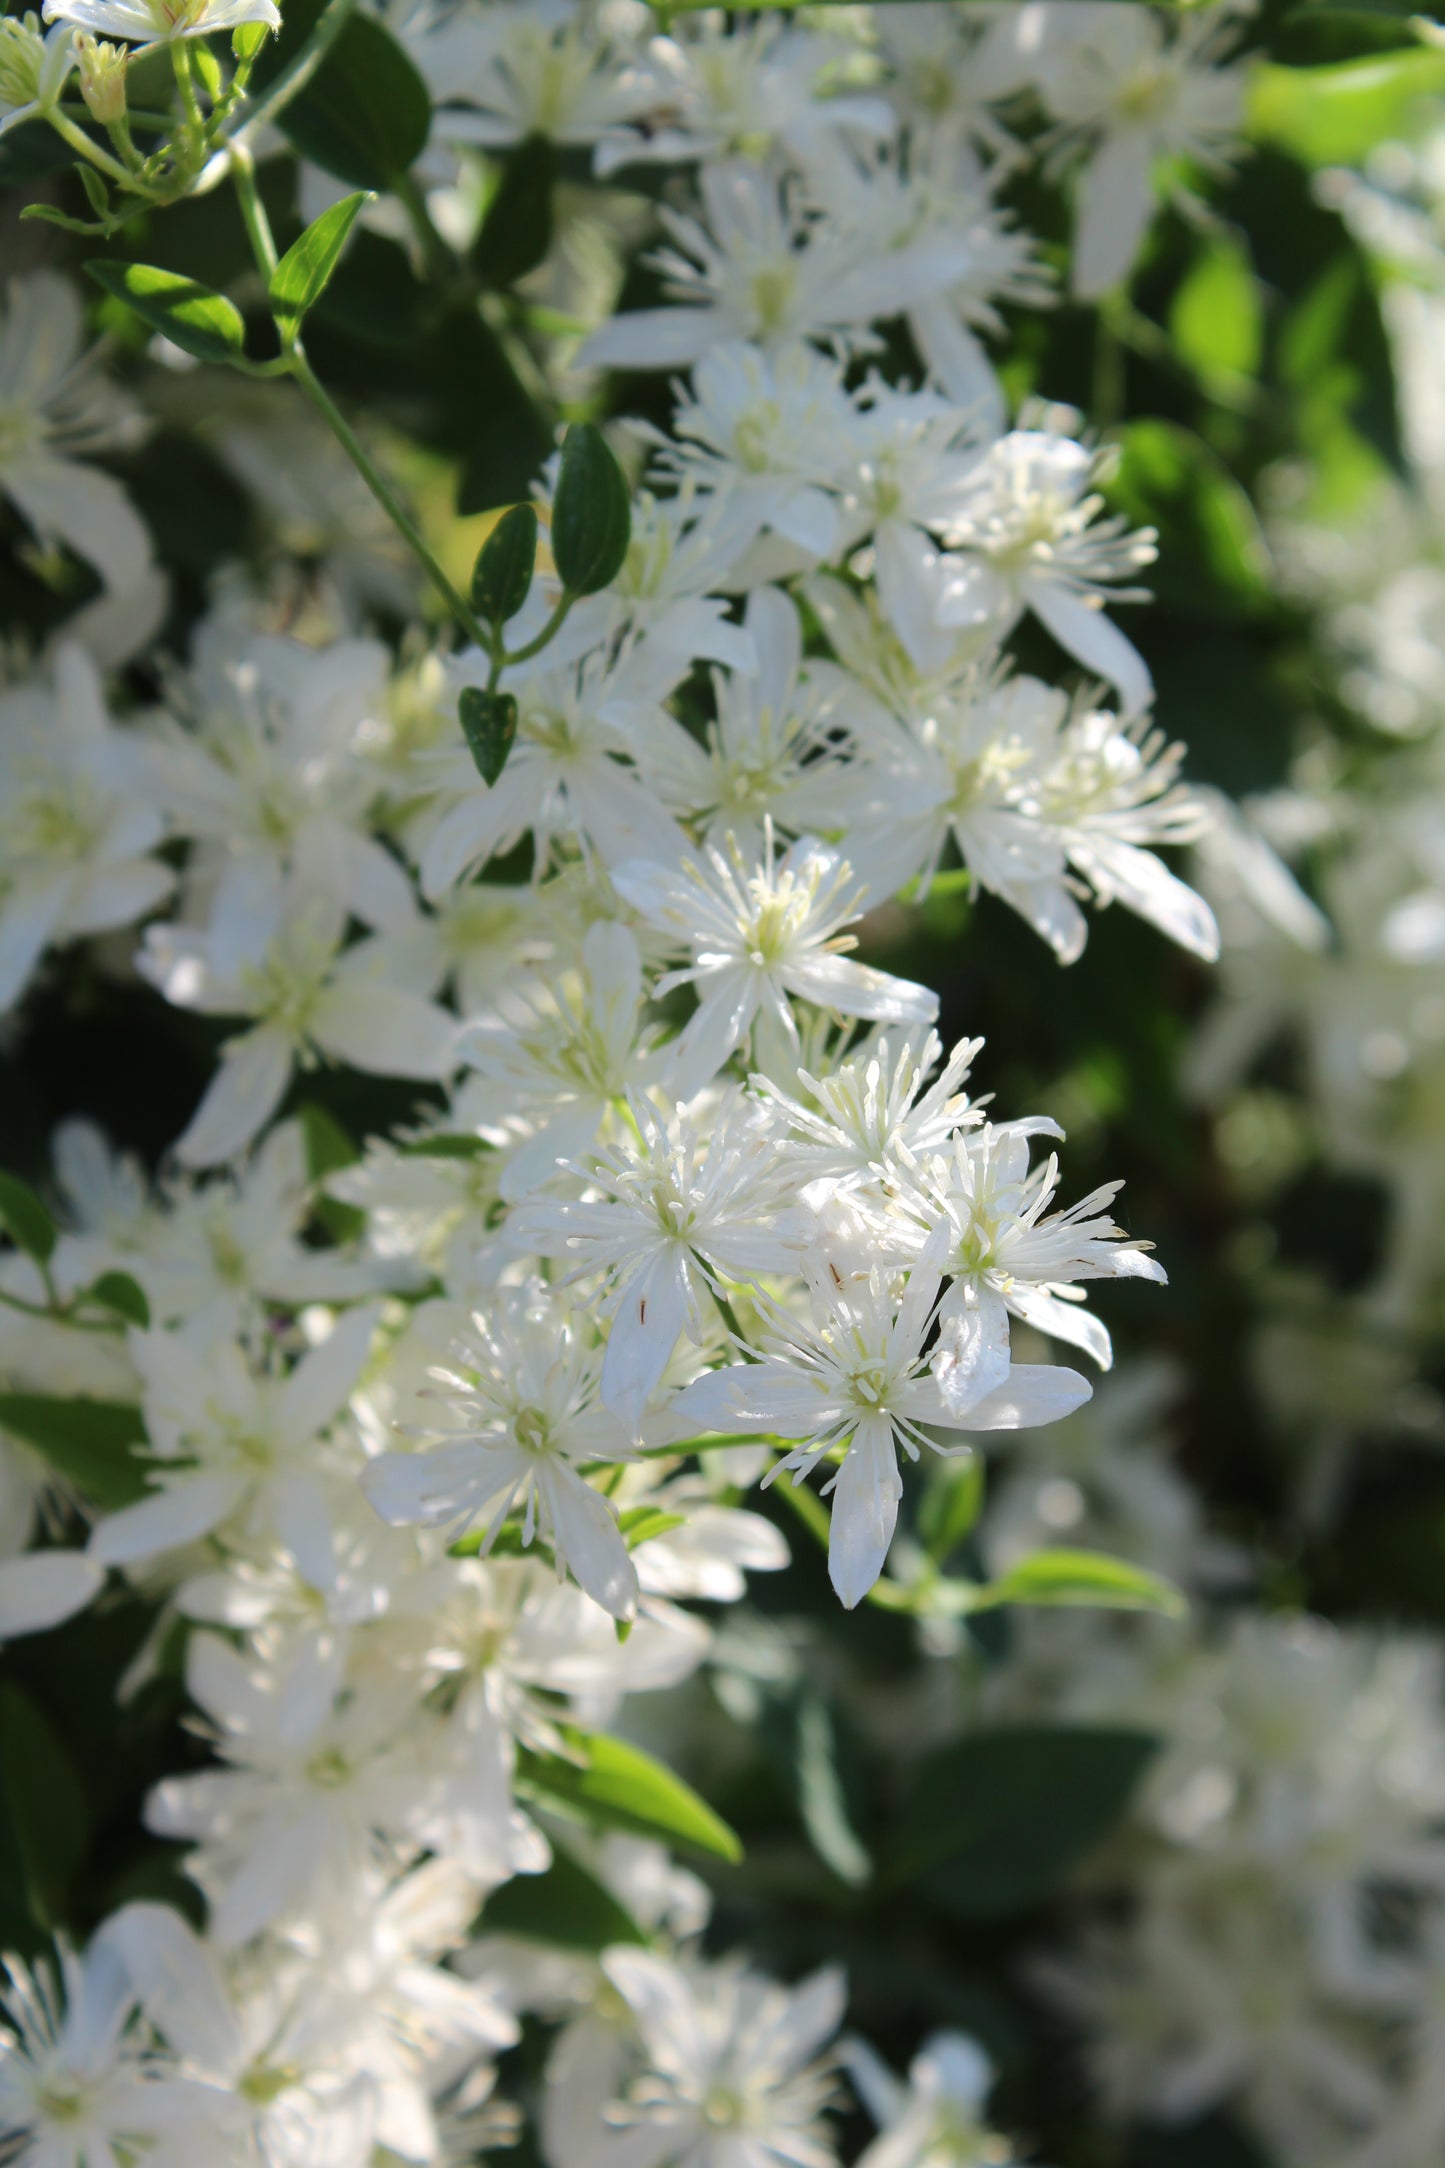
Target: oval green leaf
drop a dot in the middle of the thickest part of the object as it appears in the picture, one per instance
(591, 515)
(193, 317)
(517, 229)
(611, 1785)
(502, 575)
(489, 724)
(365, 115)
(304, 272)
(119, 1292)
(1091, 1578)
(25, 1219)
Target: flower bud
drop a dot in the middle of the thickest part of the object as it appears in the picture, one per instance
(102, 77)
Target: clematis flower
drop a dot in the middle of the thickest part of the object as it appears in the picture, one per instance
(856, 1385)
(157, 22)
(77, 820)
(763, 934)
(526, 1420)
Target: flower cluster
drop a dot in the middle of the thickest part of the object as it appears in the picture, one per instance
(425, 1446)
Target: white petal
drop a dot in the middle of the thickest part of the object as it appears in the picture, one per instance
(181, 1513)
(320, 1385)
(1035, 1393)
(866, 1497)
(244, 1093)
(588, 1540)
(1094, 640)
(652, 339)
(386, 1033)
(1115, 199)
(41, 1589)
(650, 1314)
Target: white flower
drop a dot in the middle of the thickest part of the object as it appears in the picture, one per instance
(763, 934)
(869, 1124)
(1029, 530)
(730, 2066)
(1007, 1256)
(33, 69)
(245, 1446)
(208, 1253)
(761, 269)
(526, 1421)
(268, 777)
(318, 1783)
(77, 822)
(556, 1059)
(683, 1206)
(565, 776)
(154, 22)
(854, 1386)
(745, 90)
(765, 436)
(1138, 95)
(54, 410)
(518, 71)
(279, 962)
(80, 2085)
(773, 748)
(936, 2119)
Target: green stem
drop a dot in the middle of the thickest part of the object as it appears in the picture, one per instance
(292, 362)
(253, 211)
(54, 1314)
(190, 104)
(81, 143)
(385, 496)
(506, 657)
(298, 72)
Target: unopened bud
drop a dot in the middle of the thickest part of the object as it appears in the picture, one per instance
(102, 77)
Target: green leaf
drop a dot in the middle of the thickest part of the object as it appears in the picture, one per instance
(96, 190)
(639, 1524)
(996, 1823)
(304, 272)
(25, 1219)
(44, 1826)
(48, 215)
(1057, 1577)
(119, 1292)
(191, 316)
(247, 39)
(800, 1732)
(489, 724)
(1336, 115)
(1216, 318)
(328, 1147)
(567, 1906)
(328, 1150)
(591, 515)
(502, 575)
(89, 1442)
(365, 115)
(516, 232)
(446, 1144)
(611, 1785)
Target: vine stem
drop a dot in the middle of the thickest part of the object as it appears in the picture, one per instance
(80, 142)
(263, 247)
(298, 72)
